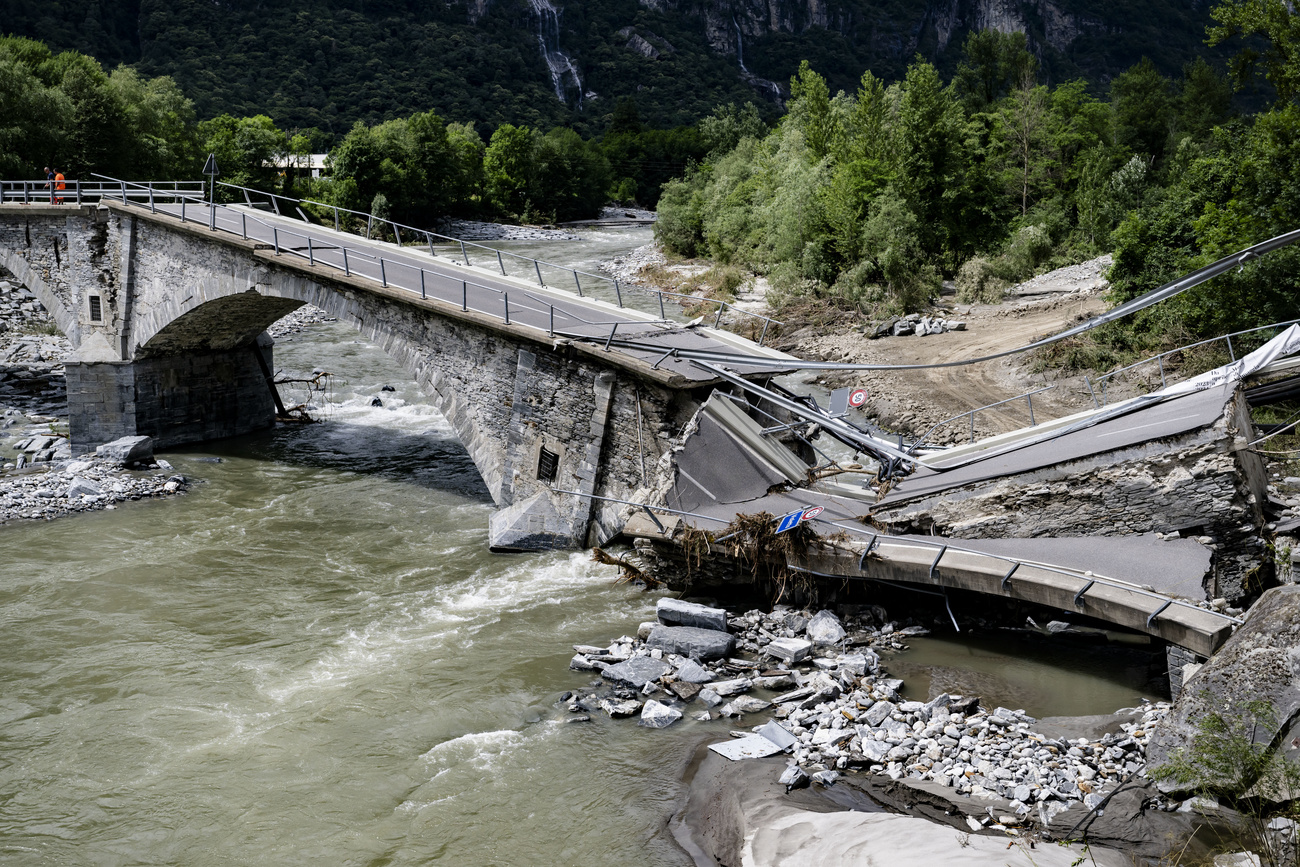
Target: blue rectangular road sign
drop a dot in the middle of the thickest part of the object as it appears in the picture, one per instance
(790, 521)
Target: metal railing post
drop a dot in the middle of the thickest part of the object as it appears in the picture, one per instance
(761, 337)
(422, 292)
(610, 339)
(501, 264)
(432, 255)
(1160, 359)
(662, 314)
(551, 328)
(722, 305)
(577, 282)
(972, 425)
(1029, 399)
(243, 225)
(212, 216)
(1231, 355)
(463, 254)
(619, 293)
(336, 218)
(383, 275)
(464, 295)
(311, 255)
(370, 226)
(539, 273)
(275, 239)
(396, 234)
(77, 186)
(346, 270)
(182, 207)
(153, 209)
(505, 296)
(1088, 380)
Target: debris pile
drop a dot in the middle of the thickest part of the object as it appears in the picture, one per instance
(915, 323)
(834, 708)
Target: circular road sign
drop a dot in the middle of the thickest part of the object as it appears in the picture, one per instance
(858, 398)
(809, 514)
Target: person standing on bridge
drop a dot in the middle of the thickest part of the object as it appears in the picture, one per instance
(49, 182)
(59, 185)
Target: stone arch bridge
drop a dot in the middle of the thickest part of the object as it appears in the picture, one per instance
(167, 317)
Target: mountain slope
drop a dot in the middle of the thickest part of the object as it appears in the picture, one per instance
(545, 62)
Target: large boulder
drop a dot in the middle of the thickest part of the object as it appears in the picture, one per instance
(637, 671)
(1260, 662)
(692, 642)
(676, 612)
(127, 450)
(825, 629)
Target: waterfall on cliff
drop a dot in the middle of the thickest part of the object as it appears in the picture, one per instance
(740, 45)
(563, 72)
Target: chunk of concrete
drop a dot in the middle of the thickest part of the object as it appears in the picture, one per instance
(692, 672)
(789, 650)
(127, 450)
(529, 525)
(691, 641)
(82, 488)
(825, 629)
(637, 671)
(676, 612)
(620, 708)
(657, 715)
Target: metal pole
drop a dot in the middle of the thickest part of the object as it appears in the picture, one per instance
(1088, 380)
(383, 275)
(619, 293)
(77, 186)
(972, 425)
(578, 282)
(422, 293)
(610, 339)
(370, 225)
(463, 254)
(464, 295)
(311, 255)
(275, 239)
(1160, 359)
(500, 264)
(396, 234)
(766, 322)
(243, 224)
(1029, 399)
(152, 208)
(1232, 355)
(182, 206)
(551, 329)
(662, 314)
(721, 306)
(336, 218)
(432, 255)
(346, 269)
(212, 216)
(539, 273)
(505, 296)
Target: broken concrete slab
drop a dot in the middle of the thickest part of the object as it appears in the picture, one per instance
(127, 450)
(637, 671)
(677, 612)
(691, 641)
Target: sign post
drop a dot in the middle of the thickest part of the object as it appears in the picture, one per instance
(797, 517)
(210, 169)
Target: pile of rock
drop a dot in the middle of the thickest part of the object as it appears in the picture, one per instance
(473, 230)
(298, 321)
(627, 268)
(39, 448)
(821, 677)
(113, 475)
(915, 323)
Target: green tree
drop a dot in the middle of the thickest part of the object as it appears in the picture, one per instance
(1143, 104)
(992, 64)
(1276, 24)
(508, 168)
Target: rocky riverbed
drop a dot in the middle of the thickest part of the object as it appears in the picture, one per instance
(818, 677)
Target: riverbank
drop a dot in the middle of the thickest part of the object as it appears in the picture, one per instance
(813, 685)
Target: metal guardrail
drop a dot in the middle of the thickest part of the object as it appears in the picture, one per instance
(81, 192)
(1159, 360)
(1028, 397)
(134, 193)
(500, 257)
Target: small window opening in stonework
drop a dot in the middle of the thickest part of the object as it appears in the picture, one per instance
(96, 311)
(548, 463)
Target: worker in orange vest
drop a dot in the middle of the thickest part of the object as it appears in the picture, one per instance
(59, 185)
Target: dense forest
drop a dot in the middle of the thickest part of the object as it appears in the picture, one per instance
(868, 200)
(327, 64)
(64, 110)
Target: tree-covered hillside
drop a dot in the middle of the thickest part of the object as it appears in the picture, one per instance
(329, 63)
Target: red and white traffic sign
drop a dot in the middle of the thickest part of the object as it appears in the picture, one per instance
(858, 398)
(810, 513)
